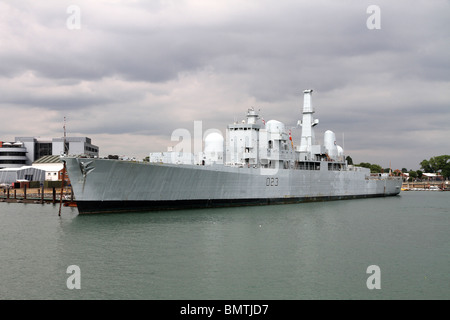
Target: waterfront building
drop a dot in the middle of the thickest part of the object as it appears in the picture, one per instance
(74, 146)
(26, 173)
(26, 150)
(12, 155)
(52, 166)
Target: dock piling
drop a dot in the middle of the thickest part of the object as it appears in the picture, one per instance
(42, 194)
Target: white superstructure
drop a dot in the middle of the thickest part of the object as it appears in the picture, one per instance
(250, 143)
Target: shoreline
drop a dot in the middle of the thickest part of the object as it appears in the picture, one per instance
(426, 186)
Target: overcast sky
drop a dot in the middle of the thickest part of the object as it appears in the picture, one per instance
(137, 70)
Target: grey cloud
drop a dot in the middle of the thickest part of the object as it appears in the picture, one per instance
(271, 50)
(58, 103)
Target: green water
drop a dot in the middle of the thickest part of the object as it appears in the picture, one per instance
(304, 251)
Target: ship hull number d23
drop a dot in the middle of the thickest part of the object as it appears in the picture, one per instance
(271, 182)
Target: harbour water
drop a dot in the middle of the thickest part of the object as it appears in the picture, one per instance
(286, 252)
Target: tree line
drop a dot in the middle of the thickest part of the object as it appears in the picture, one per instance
(437, 164)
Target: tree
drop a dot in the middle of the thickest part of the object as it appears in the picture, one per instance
(412, 174)
(425, 165)
(445, 166)
(419, 174)
(374, 168)
(437, 164)
(364, 165)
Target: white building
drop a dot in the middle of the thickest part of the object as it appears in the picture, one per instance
(74, 146)
(51, 165)
(26, 173)
(12, 155)
(33, 148)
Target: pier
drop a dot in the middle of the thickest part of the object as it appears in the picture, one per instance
(426, 186)
(37, 195)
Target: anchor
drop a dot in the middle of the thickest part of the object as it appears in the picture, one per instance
(86, 168)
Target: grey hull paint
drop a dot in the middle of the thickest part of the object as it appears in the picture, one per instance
(102, 185)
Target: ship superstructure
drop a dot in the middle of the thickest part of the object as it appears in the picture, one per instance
(260, 144)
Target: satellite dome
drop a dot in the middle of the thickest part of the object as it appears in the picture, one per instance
(329, 141)
(214, 142)
(275, 126)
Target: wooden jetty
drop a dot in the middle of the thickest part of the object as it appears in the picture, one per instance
(38, 195)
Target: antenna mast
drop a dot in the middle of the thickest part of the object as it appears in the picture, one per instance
(65, 151)
(63, 177)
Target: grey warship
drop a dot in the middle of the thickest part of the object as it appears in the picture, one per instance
(260, 166)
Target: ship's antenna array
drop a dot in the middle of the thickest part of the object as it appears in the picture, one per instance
(63, 178)
(64, 127)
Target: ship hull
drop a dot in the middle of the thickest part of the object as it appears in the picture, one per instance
(86, 207)
(101, 185)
